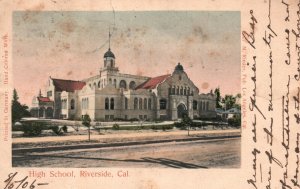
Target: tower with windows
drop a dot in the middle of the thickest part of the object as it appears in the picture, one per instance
(109, 59)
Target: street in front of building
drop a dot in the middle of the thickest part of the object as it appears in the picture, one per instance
(218, 153)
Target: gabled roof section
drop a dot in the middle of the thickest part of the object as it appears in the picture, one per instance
(153, 82)
(67, 85)
(43, 99)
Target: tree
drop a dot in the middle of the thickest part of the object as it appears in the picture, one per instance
(218, 97)
(86, 121)
(18, 110)
(187, 122)
(229, 101)
(238, 101)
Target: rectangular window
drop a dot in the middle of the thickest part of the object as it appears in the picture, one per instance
(195, 104)
(163, 104)
(106, 103)
(49, 93)
(126, 103)
(140, 117)
(111, 117)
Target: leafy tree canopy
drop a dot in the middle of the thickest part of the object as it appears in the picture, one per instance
(86, 120)
(18, 110)
(218, 97)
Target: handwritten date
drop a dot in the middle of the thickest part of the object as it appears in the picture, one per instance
(12, 182)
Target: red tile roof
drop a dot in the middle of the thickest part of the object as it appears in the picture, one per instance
(44, 99)
(67, 85)
(153, 82)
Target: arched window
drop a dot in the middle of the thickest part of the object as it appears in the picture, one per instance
(207, 105)
(122, 84)
(135, 103)
(126, 103)
(115, 83)
(173, 90)
(99, 84)
(149, 104)
(132, 85)
(145, 103)
(200, 106)
(72, 104)
(112, 103)
(140, 103)
(95, 85)
(195, 104)
(163, 104)
(106, 103)
(184, 91)
(177, 90)
(109, 81)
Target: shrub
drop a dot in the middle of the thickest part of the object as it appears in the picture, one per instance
(235, 121)
(162, 127)
(178, 124)
(166, 127)
(56, 130)
(119, 119)
(158, 120)
(133, 119)
(65, 129)
(32, 128)
(116, 127)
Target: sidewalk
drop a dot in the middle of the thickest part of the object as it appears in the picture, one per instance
(138, 135)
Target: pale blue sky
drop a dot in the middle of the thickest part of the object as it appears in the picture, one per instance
(70, 45)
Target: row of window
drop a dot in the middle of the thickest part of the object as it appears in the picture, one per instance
(202, 105)
(122, 84)
(180, 90)
(64, 104)
(139, 103)
(111, 117)
(109, 104)
(85, 103)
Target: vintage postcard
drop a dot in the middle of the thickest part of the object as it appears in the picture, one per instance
(149, 94)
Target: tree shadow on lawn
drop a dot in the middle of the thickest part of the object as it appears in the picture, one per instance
(163, 161)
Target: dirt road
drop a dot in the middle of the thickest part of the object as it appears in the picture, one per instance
(223, 153)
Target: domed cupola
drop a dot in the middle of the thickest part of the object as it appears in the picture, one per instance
(178, 68)
(109, 59)
(109, 54)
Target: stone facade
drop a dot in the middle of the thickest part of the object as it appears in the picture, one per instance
(114, 95)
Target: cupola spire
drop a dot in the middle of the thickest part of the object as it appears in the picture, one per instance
(109, 35)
